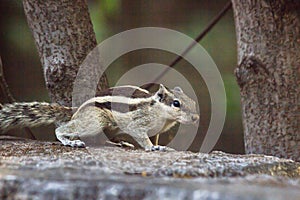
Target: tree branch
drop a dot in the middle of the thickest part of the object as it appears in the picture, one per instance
(4, 87)
(217, 18)
(7, 94)
(64, 36)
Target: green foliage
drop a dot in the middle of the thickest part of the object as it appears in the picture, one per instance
(233, 95)
(22, 41)
(101, 11)
(111, 7)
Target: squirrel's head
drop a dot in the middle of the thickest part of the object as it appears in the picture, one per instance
(176, 105)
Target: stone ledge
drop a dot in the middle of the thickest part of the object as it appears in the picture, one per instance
(36, 169)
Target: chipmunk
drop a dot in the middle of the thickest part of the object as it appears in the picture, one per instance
(123, 110)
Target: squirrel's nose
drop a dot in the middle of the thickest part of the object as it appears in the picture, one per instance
(195, 117)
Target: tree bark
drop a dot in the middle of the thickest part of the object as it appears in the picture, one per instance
(64, 35)
(268, 37)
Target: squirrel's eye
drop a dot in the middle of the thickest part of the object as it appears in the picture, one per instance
(176, 103)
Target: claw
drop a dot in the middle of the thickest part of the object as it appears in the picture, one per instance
(75, 143)
(158, 148)
(127, 144)
(121, 144)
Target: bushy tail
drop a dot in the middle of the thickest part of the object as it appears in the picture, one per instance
(18, 115)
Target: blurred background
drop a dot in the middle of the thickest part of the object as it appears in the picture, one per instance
(24, 75)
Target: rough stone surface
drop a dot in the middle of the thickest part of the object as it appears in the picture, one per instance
(46, 170)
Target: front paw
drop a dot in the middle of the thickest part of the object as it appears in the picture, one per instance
(158, 148)
(75, 143)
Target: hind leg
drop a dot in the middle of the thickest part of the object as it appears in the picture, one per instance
(86, 125)
(68, 136)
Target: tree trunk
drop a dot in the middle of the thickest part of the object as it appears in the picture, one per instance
(268, 37)
(64, 35)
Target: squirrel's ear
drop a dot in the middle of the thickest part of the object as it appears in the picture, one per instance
(160, 92)
(178, 89)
